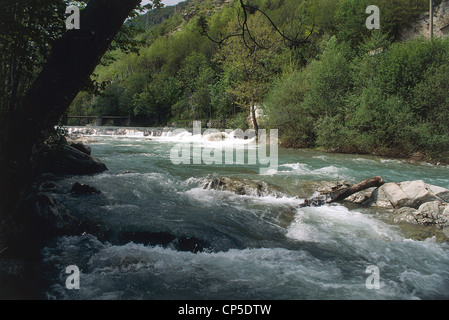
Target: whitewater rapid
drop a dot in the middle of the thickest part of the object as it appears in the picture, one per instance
(259, 247)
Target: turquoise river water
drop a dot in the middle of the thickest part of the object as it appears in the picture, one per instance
(258, 247)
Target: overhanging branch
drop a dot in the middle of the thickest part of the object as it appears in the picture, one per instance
(291, 42)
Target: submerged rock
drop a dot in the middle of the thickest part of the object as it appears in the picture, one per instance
(84, 189)
(129, 172)
(165, 239)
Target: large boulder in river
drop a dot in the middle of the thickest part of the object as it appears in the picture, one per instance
(410, 194)
(434, 213)
(416, 203)
(78, 145)
(68, 160)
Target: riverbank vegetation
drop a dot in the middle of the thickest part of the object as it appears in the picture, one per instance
(344, 89)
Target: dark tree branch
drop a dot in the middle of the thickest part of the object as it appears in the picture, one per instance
(341, 194)
(370, 183)
(245, 31)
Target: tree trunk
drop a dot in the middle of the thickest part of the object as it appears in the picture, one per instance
(73, 59)
(370, 183)
(254, 118)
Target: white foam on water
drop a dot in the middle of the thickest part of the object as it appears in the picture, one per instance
(210, 140)
(135, 271)
(353, 240)
(328, 224)
(209, 197)
(321, 157)
(328, 172)
(297, 167)
(135, 134)
(390, 161)
(128, 145)
(364, 160)
(122, 207)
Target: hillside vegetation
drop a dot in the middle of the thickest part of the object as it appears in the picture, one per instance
(345, 89)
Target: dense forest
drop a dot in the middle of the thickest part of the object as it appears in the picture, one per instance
(342, 88)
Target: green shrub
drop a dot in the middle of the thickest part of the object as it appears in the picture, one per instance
(238, 121)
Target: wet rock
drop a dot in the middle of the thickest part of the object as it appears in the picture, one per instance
(361, 198)
(128, 172)
(322, 189)
(434, 213)
(48, 186)
(164, 239)
(52, 219)
(54, 214)
(146, 238)
(70, 161)
(191, 244)
(242, 187)
(379, 199)
(446, 232)
(39, 220)
(218, 136)
(411, 193)
(406, 215)
(42, 218)
(316, 200)
(81, 147)
(84, 189)
(328, 187)
(81, 139)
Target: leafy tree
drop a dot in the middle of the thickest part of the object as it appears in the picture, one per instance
(28, 29)
(330, 81)
(221, 101)
(405, 65)
(285, 110)
(321, 15)
(247, 62)
(156, 100)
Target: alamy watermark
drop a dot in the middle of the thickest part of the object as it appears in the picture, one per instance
(229, 153)
(72, 281)
(73, 21)
(373, 281)
(373, 21)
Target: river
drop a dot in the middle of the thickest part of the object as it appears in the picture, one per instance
(255, 247)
